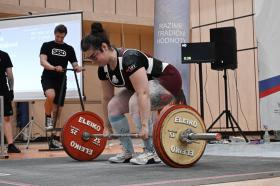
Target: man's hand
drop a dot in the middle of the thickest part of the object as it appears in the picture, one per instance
(10, 95)
(78, 68)
(58, 69)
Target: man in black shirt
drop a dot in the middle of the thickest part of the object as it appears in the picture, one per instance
(54, 57)
(6, 90)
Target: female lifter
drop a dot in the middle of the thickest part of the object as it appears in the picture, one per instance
(148, 85)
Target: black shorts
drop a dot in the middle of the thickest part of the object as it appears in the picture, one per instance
(8, 109)
(55, 83)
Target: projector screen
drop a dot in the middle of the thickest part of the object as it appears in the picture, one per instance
(22, 38)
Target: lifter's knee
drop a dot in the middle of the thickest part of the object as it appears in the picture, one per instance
(133, 106)
(113, 109)
(50, 94)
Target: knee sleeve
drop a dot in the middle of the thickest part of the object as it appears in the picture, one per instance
(120, 125)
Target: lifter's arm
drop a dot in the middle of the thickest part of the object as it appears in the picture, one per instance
(107, 94)
(140, 84)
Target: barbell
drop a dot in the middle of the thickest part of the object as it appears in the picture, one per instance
(186, 136)
(179, 136)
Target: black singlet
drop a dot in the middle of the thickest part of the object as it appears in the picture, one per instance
(129, 61)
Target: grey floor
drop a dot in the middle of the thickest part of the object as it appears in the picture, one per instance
(220, 163)
(65, 171)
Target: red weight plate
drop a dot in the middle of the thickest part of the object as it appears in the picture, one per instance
(172, 121)
(72, 132)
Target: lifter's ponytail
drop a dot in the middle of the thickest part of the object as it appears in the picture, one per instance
(95, 39)
(97, 28)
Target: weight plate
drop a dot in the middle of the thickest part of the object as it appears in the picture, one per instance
(173, 120)
(73, 143)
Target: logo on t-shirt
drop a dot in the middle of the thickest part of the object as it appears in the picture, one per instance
(115, 79)
(130, 68)
(58, 52)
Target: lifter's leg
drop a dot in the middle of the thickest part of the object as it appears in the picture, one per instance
(159, 97)
(117, 107)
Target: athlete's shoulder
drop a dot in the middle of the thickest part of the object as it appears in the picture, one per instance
(2, 53)
(133, 60)
(133, 56)
(69, 47)
(48, 44)
(133, 52)
(101, 73)
(100, 69)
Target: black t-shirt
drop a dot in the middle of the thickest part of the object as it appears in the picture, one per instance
(129, 61)
(58, 54)
(5, 62)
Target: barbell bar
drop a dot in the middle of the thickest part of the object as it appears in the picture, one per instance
(186, 136)
(87, 136)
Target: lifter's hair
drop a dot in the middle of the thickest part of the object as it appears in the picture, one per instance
(61, 29)
(95, 39)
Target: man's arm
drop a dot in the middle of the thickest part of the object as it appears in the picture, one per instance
(74, 61)
(10, 78)
(44, 62)
(77, 67)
